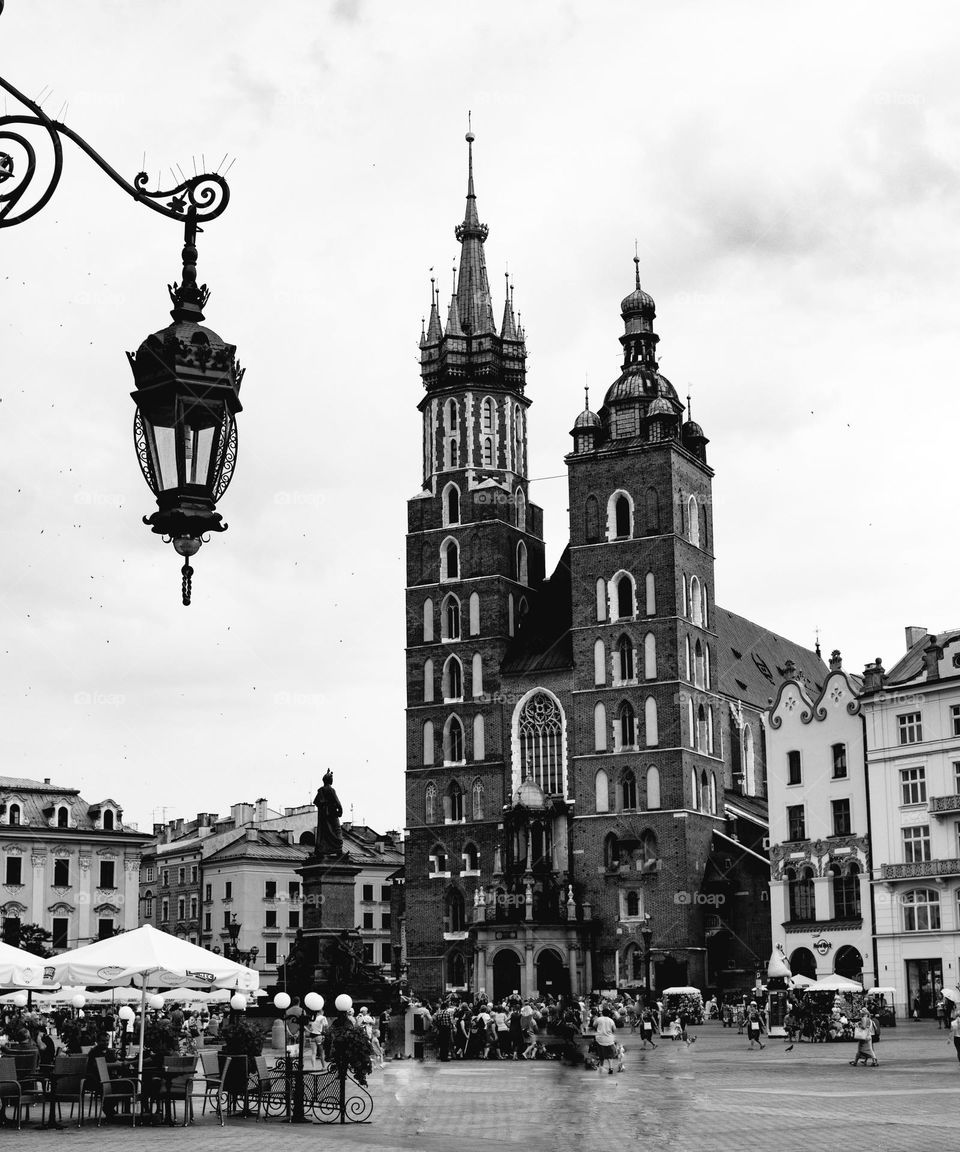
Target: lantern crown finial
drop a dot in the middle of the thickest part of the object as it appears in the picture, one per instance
(189, 298)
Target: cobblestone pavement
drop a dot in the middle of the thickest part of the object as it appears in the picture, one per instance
(714, 1095)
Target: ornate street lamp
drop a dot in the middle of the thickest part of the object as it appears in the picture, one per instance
(187, 378)
(233, 928)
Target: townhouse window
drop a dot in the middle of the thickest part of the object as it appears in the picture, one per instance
(793, 767)
(207, 921)
(839, 761)
(368, 920)
(385, 921)
(385, 957)
(208, 891)
(913, 786)
(193, 874)
(368, 953)
(956, 776)
(270, 918)
(165, 881)
(193, 907)
(367, 892)
(164, 911)
(226, 919)
(61, 930)
(61, 873)
(104, 928)
(841, 817)
(271, 953)
(181, 905)
(955, 718)
(293, 918)
(107, 874)
(293, 890)
(385, 891)
(909, 728)
(228, 890)
(148, 873)
(180, 875)
(148, 908)
(796, 824)
(916, 844)
(270, 890)
(921, 910)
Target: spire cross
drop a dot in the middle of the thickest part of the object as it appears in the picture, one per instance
(636, 262)
(586, 396)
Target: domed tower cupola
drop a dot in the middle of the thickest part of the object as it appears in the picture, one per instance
(661, 420)
(639, 339)
(586, 428)
(692, 437)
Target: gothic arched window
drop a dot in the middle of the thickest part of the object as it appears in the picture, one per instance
(522, 563)
(652, 509)
(650, 726)
(591, 520)
(540, 732)
(428, 742)
(452, 679)
(487, 415)
(627, 723)
(601, 787)
(622, 516)
(449, 560)
(477, 797)
(626, 604)
(693, 521)
(427, 681)
(599, 663)
(474, 614)
(430, 804)
(651, 595)
(451, 504)
(479, 738)
(649, 657)
(451, 618)
(601, 599)
(653, 787)
(521, 506)
(453, 741)
(625, 657)
(599, 728)
(628, 789)
(427, 620)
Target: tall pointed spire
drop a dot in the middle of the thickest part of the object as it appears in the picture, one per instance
(508, 329)
(434, 331)
(473, 290)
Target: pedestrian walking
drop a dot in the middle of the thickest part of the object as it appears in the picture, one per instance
(863, 1034)
(606, 1041)
(646, 1029)
(955, 1030)
(754, 1025)
(444, 1022)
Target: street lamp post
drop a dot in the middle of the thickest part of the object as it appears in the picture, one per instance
(647, 933)
(187, 379)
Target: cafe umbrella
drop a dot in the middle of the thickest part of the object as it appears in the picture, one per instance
(149, 959)
(21, 969)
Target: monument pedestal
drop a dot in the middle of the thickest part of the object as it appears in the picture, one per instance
(329, 915)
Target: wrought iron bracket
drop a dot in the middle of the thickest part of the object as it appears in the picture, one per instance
(25, 188)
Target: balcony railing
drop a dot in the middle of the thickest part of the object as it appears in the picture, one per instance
(945, 805)
(920, 870)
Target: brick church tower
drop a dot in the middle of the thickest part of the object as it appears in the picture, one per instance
(475, 560)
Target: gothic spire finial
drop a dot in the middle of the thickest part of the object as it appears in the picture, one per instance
(636, 262)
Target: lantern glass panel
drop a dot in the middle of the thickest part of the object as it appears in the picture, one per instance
(163, 443)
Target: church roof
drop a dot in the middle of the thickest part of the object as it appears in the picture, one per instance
(753, 660)
(910, 665)
(544, 642)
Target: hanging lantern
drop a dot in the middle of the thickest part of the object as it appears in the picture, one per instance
(185, 432)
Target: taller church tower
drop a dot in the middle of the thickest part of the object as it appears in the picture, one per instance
(475, 562)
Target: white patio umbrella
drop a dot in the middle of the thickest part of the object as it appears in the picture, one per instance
(150, 959)
(21, 969)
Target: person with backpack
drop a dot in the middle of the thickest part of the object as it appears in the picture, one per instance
(754, 1023)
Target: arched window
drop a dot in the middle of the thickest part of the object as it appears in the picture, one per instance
(652, 508)
(622, 516)
(307, 838)
(653, 787)
(628, 789)
(651, 595)
(649, 849)
(453, 741)
(487, 415)
(63, 817)
(522, 563)
(477, 674)
(698, 664)
(611, 851)
(601, 600)
(522, 609)
(704, 792)
(108, 819)
(800, 894)
(691, 724)
(706, 608)
(540, 735)
(710, 747)
(627, 725)
(487, 452)
(749, 764)
(14, 817)
(599, 728)
(428, 620)
(694, 790)
(477, 795)
(449, 560)
(696, 601)
(693, 521)
(624, 591)
(684, 597)
(625, 659)
(633, 903)
(601, 793)
(702, 742)
(453, 803)
(511, 623)
(619, 515)
(456, 970)
(591, 520)
(599, 663)
(452, 679)
(479, 738)
(450, 618)
(453, 452)
(704, 543)
(521, 506)
(649, 657)
(430, 804)
(650, 725)
(453, 913)
(921, 910)
(451, 504)
(428, 681)
(471, 857)
(452, 414)
(428, 742)
(518, 460)
(688, 662)
(707, 678)
(474, 614)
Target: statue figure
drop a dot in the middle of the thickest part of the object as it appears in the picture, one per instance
(329, 811)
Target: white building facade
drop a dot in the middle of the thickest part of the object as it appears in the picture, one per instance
(912, 717)
(819, 828)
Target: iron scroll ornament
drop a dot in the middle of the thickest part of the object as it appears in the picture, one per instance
(205, 196)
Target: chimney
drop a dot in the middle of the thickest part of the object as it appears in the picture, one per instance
(252, 835)
(46, 779)
(914, 635)
(931, 659)
(873, 676)
(261, 809)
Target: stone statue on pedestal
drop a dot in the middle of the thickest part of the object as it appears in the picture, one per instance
(329, 811)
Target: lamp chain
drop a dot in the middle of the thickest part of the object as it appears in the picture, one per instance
(187, 578)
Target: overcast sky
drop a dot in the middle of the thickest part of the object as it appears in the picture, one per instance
(790, 175)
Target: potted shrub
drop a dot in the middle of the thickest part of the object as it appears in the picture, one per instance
(351, 1047)
(243, 1041)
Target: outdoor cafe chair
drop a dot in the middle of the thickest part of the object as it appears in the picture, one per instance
(67, 1085)
(15, 1092)
(114, 1091)
(215, 1069)
(178, 1077)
